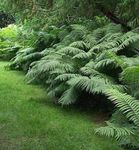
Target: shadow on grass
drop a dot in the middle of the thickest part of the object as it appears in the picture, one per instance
(98, 117)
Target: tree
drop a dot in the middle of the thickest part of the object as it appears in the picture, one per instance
(6, 19)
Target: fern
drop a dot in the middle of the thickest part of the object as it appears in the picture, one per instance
(65, 77)
(70, 96)
(93, 84)
(130, 77)
(128, 39)
(101, 59)
(126, 103)
(81, 45)
(70, 51)
(114, 131)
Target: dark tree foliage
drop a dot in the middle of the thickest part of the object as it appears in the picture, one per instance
(6, 19)
(124, 12)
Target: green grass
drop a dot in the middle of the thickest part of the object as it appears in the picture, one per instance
(28, 121)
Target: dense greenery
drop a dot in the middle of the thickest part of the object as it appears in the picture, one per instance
(81, 49)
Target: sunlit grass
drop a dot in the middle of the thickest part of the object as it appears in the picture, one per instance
(28, 121)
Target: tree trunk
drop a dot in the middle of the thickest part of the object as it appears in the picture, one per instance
(114, 18)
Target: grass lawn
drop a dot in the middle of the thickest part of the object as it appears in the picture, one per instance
(28, 121)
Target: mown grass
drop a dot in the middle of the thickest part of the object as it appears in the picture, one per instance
(28, 121)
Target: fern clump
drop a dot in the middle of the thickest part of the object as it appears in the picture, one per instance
(79, 60)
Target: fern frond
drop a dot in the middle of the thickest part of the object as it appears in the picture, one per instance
(114, 131)
(95, 84)
(70, 96)
(70, 51)
(105, 63)
(130, 77)
(81, 45)
(131, 61)
(65, 77)
(110, 58)
(84, 55)
(127, 39)
(126, 103)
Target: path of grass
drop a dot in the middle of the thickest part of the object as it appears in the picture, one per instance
(29, 122)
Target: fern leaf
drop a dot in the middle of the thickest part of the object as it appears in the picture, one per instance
(126, 103)
(114, 131)
(70, 96)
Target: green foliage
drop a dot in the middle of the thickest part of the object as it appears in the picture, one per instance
(113, 130)
(8, 42)
(128, 130)
(98, 62)
(60, 12)
(82, 53)
(126, 104)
